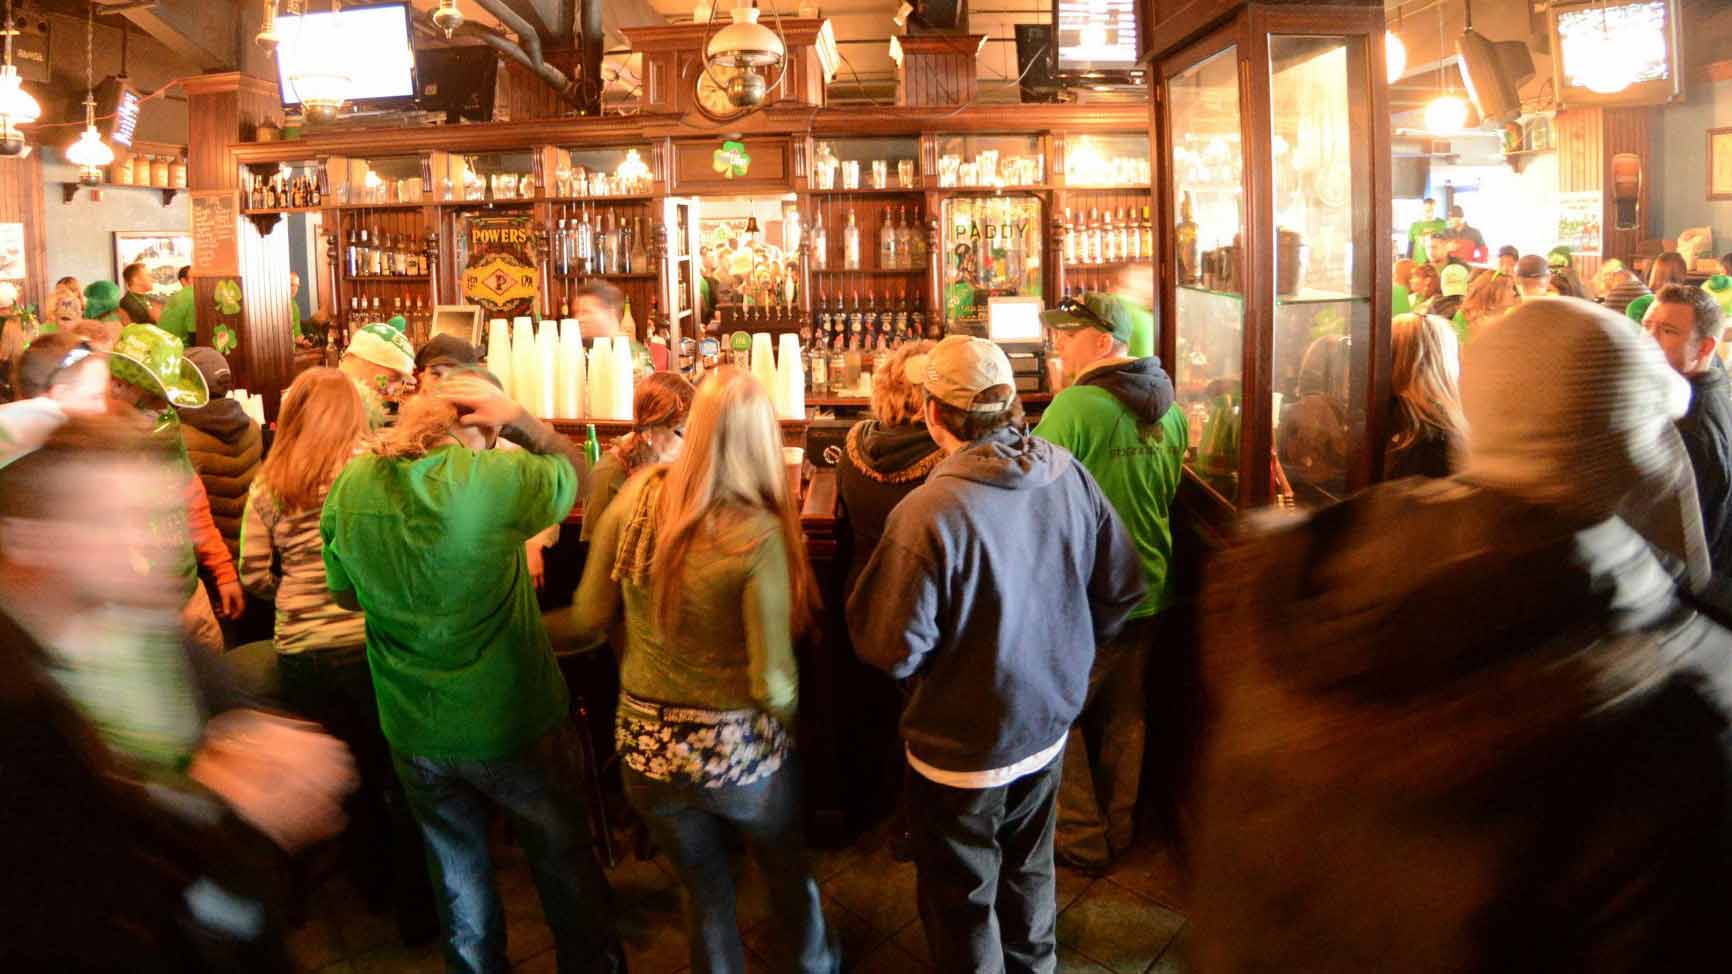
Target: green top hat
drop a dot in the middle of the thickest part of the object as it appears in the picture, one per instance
(155, 361)
(101, 298)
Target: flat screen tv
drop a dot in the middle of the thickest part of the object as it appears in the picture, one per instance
(1642, 37)
(375, 48)
(1098, 40)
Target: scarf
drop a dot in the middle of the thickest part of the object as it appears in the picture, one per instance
(637, 541)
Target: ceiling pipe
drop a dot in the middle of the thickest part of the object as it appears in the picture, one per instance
(526, 35)
(591, 31)
(555, 78)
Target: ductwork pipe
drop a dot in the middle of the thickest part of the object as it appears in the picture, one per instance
(590, 27)
(526, 35)
(555, 78)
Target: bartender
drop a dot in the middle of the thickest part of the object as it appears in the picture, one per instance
(1419, 234)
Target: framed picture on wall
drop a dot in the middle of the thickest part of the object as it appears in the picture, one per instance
(1720, 164)
(162, 254)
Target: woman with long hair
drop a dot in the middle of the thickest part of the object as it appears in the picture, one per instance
(321, 646)
(1488, 298)
(1428, 423)
(659, 408)
(1424, 286)
(707, 558)
(1669, 268)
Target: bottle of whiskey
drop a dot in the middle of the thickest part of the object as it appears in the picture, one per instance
(889, 254)
(851, 244)
(1185, 242)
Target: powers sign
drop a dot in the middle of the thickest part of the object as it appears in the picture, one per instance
(499, 266)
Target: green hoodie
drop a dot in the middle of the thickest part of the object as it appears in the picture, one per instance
(1120, 422)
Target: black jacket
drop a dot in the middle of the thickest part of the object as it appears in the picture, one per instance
(1426, 456)
(1454, 732)
(993, 584)
(879, 466)
(1707, 432)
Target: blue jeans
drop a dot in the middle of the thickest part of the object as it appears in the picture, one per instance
(451, 800)
(691, 823)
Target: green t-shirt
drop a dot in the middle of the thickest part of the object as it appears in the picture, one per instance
(179, 317)
(1401, 300)
(433, 550)
(295, 319)
(1422, 228)
(1137, 467)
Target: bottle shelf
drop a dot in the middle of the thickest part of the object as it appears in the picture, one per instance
(868, 191)
(405, 278)
(871, 271)
(1108, 265)
(283, 211)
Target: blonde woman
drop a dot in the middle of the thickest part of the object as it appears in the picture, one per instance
(1488, 299)
(707, 561)
(1427, 422)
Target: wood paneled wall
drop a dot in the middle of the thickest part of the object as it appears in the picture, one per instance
(223, 109)
(1587, 139)
(21, 202)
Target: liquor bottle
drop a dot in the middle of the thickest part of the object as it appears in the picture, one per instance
(818, 369)
(1185, 242)
(639, 256)
(561, 251)
(888, 253)
(379, 253)
(352, 253)
(1148, 229)
(627, 233)
(1109, 238)
(1097, 238)
(591, 446)
(1127, 229)
(376, 306)
(317, 197)
(820, 243)
(869, 328)
(397, 306)
(1135, 234)
(851, 244)
(364, 255)
(1069, 238)
(627, 324)
(583, 245)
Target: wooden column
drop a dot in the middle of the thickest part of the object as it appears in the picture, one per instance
(21, 202)
(1587, 139)
(223, 109)
(938, 69)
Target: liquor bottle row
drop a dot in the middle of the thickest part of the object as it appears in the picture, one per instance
(375, 254)
(365, 311)
(1124, 236)
(602, 242)
(278, 192)
(901, 243)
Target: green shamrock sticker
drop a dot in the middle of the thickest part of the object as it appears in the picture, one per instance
(228, 297)
(731, 160)
(223, 339)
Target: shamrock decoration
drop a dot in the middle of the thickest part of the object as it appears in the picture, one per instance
(223, 339)
(731, 160)
(228, 297)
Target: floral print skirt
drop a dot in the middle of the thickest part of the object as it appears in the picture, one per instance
(694, 746)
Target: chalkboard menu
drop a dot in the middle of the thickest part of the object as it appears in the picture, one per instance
(214, 216)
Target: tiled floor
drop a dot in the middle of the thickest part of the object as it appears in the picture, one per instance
(1125, 923)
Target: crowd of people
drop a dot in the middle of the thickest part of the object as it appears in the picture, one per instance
(1471, 718)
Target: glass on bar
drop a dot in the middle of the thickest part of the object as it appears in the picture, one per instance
(905, 173)
(880, 174)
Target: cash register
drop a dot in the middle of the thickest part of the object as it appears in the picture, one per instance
(1013, 324)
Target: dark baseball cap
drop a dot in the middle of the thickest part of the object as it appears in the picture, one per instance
(448, 347)
(1097, 310)
(1508, 251)
(1533, 266)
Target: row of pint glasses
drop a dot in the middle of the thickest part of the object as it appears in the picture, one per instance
(546, 369)
(783, 373)
(828, 166)
(987, 168)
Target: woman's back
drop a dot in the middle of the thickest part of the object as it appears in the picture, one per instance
(282, 554)
(727, 645)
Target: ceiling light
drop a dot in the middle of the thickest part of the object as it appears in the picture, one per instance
(902, 12)
(16, 106)
(267, 36)
(745, 43)
(1446, 113)
(448, 18)
(90, 154)
(318, 76)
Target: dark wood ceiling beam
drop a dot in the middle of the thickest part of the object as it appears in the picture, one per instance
(207, 34)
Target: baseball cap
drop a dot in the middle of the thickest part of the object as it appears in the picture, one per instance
(1508, 251)
(1454, 280)
(1532, 266)
(214, 367)
(961, 368)
(1103, 312)
(1559, 256)
(452, 349)
(385, 347)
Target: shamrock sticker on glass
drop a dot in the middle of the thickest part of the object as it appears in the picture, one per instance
(731, 160)
(228, 297)
(223, 339)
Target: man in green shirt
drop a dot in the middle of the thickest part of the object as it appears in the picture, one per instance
(1419, 234)
(1117, 417)
(179, 318)
(426, 535)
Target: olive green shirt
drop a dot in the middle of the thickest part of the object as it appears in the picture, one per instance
(731, 644)
(433, 550)
(605, 481)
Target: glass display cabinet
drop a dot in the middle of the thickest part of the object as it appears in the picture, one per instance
(990, 246)
(1275, 135)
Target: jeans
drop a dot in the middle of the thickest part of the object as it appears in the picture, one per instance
(536, 790)
(690, 824)
(1103, 757)
(381, 847)
(986, 887)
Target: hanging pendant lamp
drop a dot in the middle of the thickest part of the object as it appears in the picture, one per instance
(90, 154)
